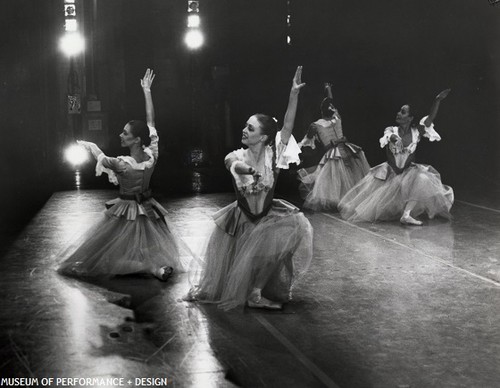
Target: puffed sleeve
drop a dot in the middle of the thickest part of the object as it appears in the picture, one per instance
(430, 132)
(232, 157)
(153, 135)
(384, 140)
(240, 180)
(286, 153)
(109, 166)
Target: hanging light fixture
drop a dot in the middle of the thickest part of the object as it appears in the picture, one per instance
(72, 42)
(194, 38)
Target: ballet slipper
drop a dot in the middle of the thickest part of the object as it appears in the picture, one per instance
(164, 273)
(256, 301)
(409, 220)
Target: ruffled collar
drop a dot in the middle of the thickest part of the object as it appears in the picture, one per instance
(398, 146)
(142, 165)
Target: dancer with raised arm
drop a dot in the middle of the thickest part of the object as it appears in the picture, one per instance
(260, 245)
(342, 166)
(133, 236)
(400, 188)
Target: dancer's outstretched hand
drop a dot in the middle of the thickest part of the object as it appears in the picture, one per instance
(86, 144)
(443, 94)
(147, 80)
(297, 80)
(91, 147)
(328, 90)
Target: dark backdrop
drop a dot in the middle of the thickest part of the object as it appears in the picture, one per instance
(378, 55)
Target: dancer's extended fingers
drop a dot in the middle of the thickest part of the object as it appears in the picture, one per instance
(443, 94)
(298, 74)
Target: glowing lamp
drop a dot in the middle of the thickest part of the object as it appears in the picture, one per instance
(194, 39)
(72, 43)
(76, 155)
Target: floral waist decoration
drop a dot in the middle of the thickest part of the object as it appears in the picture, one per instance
(254, 187)
(397, 147)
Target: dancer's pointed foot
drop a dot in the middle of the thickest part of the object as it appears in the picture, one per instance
(264, 303)
(164, 273)
(257, 301)
(409, 220)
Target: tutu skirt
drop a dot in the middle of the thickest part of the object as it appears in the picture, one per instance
(382, 194)
(324, 187)
(270, 253)
(130, 238)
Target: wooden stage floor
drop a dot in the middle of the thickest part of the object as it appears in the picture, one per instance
(382, 306)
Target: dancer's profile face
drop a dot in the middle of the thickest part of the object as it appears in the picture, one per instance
(404, 116)
(252, 133)
(126, 137)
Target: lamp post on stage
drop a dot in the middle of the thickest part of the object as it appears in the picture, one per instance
(194, 41)
(72, 44)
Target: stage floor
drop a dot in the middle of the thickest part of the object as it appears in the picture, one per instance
(383, 306)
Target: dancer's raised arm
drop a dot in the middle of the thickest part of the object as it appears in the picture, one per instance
(289, 119)
(328, 89)
(146, 83)
(435, 107)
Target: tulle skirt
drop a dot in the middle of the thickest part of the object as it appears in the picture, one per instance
(271, 254)
(130, 238)
(324, 187)
(382, 194)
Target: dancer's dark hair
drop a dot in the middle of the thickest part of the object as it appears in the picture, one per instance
(140, 129)
(268, 126)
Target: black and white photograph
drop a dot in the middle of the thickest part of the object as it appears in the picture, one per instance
(250, 193)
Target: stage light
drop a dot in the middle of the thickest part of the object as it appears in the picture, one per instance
(193, 20)
(193, 6)
(69, 10)
(194, 39)
(70, 25)
(72, 43)
(76, 155)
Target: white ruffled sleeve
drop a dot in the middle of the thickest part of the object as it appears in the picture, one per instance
(384, 140)
(241, 180)
(430, 132)
(286, 153)
(103, 160)
(153, 135)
